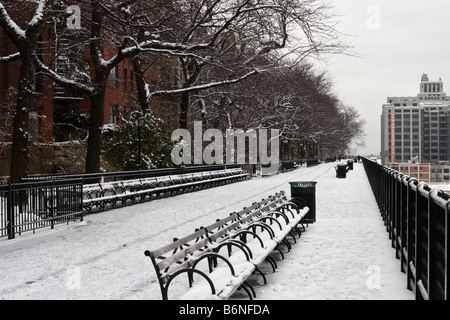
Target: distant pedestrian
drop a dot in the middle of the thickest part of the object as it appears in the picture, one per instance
(359, 158)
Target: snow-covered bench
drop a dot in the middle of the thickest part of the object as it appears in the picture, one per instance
(101, 195)
(219, 259)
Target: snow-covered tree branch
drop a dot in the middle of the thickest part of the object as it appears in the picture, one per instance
(9, 58)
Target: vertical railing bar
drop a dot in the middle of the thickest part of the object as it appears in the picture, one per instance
(10, 211)
(446, 255)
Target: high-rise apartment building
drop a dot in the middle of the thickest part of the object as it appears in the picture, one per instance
(417, 127)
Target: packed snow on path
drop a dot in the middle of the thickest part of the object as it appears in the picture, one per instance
(346, 254)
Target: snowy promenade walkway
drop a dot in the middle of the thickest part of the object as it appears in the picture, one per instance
(346, 254)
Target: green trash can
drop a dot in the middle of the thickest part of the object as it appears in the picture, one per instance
(350, 164)
(341, 170)
(304, 193)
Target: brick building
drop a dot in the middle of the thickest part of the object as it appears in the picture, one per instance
(58, 109)
(417, 126)
(419, 171)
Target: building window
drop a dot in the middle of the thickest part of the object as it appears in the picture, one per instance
(115, 77)
(114, 117)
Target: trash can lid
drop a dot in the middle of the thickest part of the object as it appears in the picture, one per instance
(303, 183)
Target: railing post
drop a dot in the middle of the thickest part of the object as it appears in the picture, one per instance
(403, 224)
(391, 201)
(52, 209)
(385, 197)
(447, 256)
(422, 241)
(438, 247)
(10, 211)
(396, 213)
(80, 199)
(410, 236)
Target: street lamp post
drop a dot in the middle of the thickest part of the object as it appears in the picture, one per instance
(287, 153)
(139, 123)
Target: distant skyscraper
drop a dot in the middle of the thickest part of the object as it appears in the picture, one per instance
(417, 127)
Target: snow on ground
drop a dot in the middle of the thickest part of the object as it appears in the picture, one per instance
(346, 254)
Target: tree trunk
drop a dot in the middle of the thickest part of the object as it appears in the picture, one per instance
(94, 145)
(184, 109)
(20, 144)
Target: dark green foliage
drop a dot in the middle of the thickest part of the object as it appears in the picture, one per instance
(121, 144)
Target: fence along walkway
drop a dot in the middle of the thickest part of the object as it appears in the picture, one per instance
(416, 218)
(34, 205)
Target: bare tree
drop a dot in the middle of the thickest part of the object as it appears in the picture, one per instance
(217, 43)
(298, 101)
(235, 40)
(109, 28)
(25, 36)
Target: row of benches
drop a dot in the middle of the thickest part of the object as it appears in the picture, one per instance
(220, 258)
(111, 194)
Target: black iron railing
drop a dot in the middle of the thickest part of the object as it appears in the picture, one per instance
(416, 218)
(29, 206)
(45, 200)
(91, 178)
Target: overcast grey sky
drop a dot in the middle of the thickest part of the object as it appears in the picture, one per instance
(400, 40)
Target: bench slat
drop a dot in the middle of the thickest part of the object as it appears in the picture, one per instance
(178, 243)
